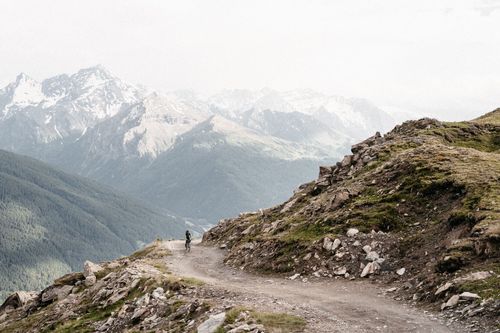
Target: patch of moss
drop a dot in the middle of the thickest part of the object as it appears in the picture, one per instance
(468, 135)
(190, 281)
(461, 217)
(280, 322)
(487, 288)
(378, 217)
(307, 232)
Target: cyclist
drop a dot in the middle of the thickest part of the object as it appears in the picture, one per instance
(188, 241)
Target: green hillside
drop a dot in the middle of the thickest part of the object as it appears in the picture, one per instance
(51, 222)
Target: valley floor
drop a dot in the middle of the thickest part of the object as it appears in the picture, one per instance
(327, 306)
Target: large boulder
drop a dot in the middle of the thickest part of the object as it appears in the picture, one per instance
(69, 279)
(19, 299)
(54, 293)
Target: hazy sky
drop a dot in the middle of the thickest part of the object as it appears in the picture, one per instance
(435, 57)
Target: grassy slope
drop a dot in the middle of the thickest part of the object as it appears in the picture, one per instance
(433, 188)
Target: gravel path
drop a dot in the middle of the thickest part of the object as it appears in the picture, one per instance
(327, 305)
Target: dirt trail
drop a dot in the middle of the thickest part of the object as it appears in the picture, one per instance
(328, 306)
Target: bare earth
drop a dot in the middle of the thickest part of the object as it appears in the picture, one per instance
(328, 306)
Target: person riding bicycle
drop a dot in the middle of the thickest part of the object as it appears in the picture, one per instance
(188, 240)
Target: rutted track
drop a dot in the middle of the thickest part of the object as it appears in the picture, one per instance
(328, 306)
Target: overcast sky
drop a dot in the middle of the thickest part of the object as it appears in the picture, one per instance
(436, 57)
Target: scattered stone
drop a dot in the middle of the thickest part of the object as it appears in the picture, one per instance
(401, 271)
(367, 249)
(452, 302)
(254, 328)
(372, 256)
(212, 323)
(443, 288)
(336, 244)
(370, 268)
(390, 290)
(247, 230)
(90, 280)
(330, 245)
(352, 232)
(327, 244)
(293, 277)
(89, 268)
(340, 270)
(158, 294)
(469, 296)
(223, 246)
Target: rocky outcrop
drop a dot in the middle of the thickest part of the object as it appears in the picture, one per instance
(127, 295)
(416, 207)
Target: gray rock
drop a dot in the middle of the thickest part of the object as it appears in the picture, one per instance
(340, 270)
(19, 299)
(247, 230)
(370, 268)
(89, 268)
(90, 280)
(212, 323)
(247, 328)
(336, 244)
(159, 294)
(372, 256)
(469, 296)
(327, 244)
(452, 302)
(288, 206)
(352, 232)
(54, 293)
(443, 288)
(339, 198)
(138, 313)
(367, 249)
(401, 271)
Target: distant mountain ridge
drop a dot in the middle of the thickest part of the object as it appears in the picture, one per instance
(94, 124)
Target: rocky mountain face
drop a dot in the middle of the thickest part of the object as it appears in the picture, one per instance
(52, 221)
(135, 293)
(93, 124)
(35, 116)
(417, 208)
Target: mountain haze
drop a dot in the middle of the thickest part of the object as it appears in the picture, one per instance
(93, 124)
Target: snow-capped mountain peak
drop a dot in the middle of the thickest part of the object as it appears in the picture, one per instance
(157, 121)
(22, 92)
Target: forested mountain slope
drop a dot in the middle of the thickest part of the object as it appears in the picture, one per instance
(51, 222)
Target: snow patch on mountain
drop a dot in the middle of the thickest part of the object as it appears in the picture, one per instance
(159, 120)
